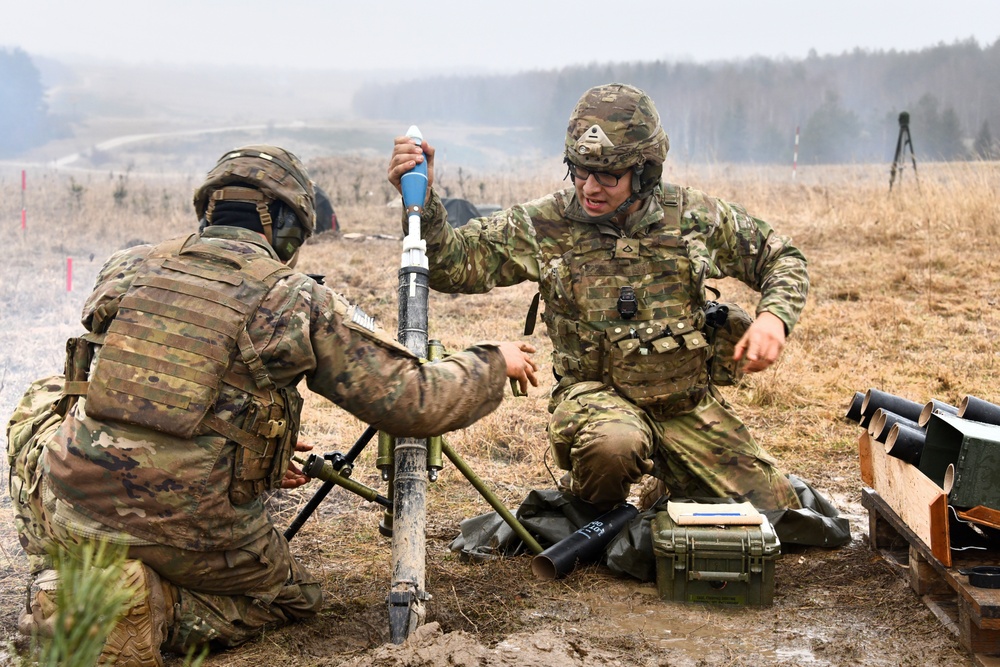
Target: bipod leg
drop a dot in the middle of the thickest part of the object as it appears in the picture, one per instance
(492, 499)
(339, 462)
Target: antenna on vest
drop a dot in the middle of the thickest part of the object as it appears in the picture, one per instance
(899, 160)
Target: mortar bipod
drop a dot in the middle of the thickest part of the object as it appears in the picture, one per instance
(344, 465)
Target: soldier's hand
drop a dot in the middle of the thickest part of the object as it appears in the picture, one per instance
(520, 367)
(294, 477)
(762, 343)
(405, 156)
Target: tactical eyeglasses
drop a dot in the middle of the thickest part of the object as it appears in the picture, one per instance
(604, 178)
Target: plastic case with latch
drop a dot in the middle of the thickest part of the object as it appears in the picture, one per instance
(715, 564)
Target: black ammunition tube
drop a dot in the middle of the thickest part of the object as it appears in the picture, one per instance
(882, 423)
(584, 546)
(854, 409)
(979, 410)
(905, 443)
(875, 399)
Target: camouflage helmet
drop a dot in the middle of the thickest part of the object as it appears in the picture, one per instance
(274, 173)
(615, 126)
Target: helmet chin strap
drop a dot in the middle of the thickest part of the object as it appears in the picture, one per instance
(265, 221)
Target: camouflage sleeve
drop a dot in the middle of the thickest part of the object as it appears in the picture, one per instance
(361, 369)
(484, 253)
(748, 249)
(113, 280)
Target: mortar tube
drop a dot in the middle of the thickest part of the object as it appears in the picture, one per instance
(584, 546)
(933, 406)
(979, 410)
(491, 498)
(905, 443)
(882, 422)
(875, 399)
(854, 409)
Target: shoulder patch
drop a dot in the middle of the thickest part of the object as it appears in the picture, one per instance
(362, 319)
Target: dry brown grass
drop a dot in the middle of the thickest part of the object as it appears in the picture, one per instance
(903, 298)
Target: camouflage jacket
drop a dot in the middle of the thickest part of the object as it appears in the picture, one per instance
(533, 241)
(175, 491)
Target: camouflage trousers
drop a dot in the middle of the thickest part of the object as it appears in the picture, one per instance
(223, 597)
(608, 443)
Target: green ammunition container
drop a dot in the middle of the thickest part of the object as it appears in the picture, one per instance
(731, 565)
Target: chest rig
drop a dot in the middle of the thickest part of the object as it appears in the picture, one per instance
(177, 338)
(628, 312)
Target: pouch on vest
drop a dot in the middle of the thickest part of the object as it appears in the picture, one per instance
(724, 370)
(665, 375)
(262, 459)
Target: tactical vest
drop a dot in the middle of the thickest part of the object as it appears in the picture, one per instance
(177, 336)
(657, 359)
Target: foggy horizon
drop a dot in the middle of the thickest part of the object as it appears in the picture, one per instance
(451, 36)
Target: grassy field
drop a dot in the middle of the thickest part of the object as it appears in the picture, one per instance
(903, 299)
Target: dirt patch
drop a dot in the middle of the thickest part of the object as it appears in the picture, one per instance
(831, 608)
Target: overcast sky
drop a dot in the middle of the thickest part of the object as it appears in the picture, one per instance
(464, 35)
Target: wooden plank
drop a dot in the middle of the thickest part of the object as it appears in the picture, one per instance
(924, 579)
(945, 608)
(973, 637)
(986, 516)
(918, 501)
(865, 454)
(873, 502)
(938, 529)
(971, 613)
(983, 603)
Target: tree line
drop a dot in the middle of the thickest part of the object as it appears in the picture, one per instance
(24, 120)
(845, 107)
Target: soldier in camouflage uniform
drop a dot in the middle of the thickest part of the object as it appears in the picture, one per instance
(621, 260)
(178, 409)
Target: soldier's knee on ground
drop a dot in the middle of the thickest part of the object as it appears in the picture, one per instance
(606, 461)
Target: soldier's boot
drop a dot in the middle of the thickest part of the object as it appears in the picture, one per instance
(651, 490)
(39, 615)
(565, 483)
(135, 641)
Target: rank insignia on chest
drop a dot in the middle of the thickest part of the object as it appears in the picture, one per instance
(626, 249)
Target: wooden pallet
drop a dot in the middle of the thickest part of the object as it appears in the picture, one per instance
(908, 524)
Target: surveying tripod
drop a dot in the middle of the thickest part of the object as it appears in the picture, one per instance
(899, 161)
